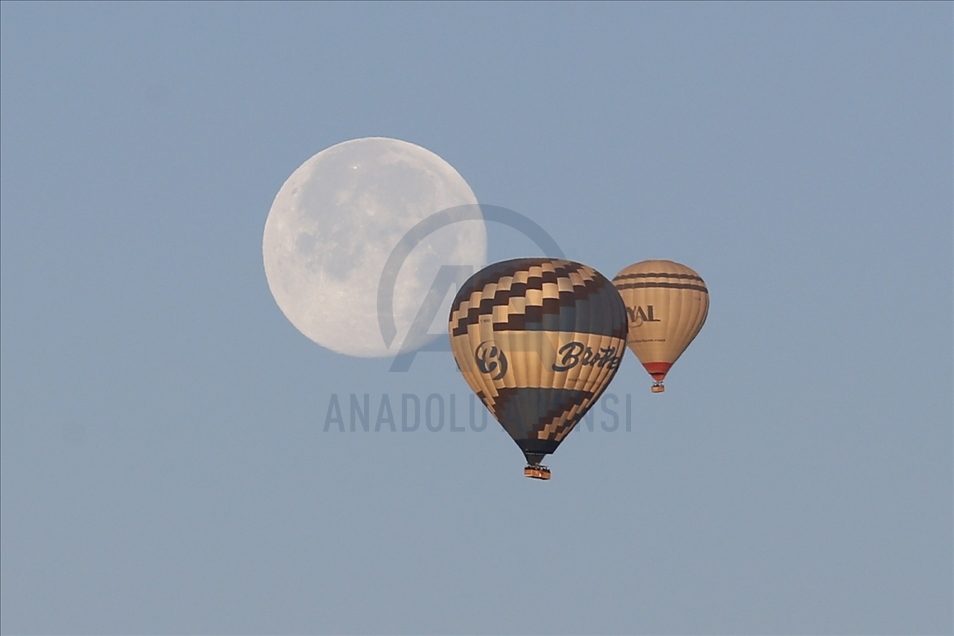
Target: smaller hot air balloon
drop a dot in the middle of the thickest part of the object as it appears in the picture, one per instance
(538, 340)
(666, 304)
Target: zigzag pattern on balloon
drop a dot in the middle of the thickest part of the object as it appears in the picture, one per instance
(533, 295)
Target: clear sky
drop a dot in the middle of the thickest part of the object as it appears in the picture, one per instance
(163, 463)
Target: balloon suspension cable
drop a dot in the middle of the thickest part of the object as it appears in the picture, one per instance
(536, 471)
(658, 387)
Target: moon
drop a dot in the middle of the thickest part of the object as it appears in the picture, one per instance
(333, 224)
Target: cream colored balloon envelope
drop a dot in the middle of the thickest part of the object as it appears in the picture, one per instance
(666, 304)
(538, 340)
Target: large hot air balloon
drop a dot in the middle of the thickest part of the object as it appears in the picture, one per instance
(667, 304)
(538, 340)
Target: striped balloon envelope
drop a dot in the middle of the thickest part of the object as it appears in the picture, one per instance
(667, 304)
(538, 340)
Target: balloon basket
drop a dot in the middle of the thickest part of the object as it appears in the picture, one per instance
(536, 472)
(658, 387)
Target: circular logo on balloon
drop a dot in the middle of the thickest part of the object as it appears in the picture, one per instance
(490, 359)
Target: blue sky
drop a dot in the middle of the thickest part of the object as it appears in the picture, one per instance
(164, 464)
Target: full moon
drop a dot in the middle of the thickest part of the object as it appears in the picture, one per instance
(333, 225)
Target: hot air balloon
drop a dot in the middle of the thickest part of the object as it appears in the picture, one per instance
(666, 304)
(538, 340)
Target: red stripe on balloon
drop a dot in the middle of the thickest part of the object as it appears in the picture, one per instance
(658, 369)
